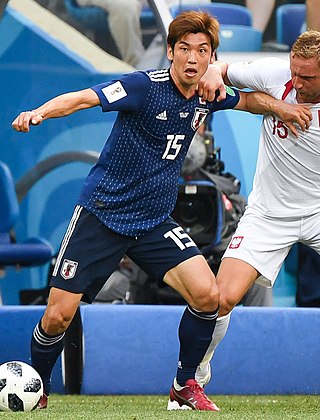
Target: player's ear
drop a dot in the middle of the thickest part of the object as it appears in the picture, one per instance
(213, 57)
(169, 53)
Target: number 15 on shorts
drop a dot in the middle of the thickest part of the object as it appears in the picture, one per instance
(180, 237)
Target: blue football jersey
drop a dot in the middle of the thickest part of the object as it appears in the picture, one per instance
(134, 185)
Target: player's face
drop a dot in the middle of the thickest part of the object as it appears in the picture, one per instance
(305, 75)
(190, 59)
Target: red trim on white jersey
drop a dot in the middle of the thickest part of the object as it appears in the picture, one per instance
(289, 87)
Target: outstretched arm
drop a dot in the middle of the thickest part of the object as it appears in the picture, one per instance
(261, 103)
(59, 106)
(290, 114)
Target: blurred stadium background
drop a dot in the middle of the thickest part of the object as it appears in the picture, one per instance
(267, 350)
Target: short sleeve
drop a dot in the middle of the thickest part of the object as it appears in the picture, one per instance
(128, 93)
(261, 75)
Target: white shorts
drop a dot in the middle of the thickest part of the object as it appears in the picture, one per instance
(264, 242)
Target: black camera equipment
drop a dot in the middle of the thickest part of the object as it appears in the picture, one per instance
(199, 210)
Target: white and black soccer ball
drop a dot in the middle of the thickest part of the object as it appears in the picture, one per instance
(20, 387)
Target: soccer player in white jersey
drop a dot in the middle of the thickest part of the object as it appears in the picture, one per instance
(129, 194)
(284, 205)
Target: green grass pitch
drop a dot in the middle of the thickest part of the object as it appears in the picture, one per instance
(132, 407)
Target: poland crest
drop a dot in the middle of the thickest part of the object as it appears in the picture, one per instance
(235, 242)
(68, 269)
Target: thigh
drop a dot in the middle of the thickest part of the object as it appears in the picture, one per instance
(89, 253)
(162, 249)
(195, 282)
(234, 278)
(263, 243)
(169, 254)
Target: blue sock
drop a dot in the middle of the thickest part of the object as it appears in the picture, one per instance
(45, 350)
(195, 335)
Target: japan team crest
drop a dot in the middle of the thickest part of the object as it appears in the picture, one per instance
(235, 242)
(68, 269)
(199, 117)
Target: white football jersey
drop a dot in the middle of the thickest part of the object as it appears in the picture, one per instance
(287, 177)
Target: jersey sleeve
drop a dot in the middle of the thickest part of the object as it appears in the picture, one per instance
(232, 99)
(127, 93)
(261, 74)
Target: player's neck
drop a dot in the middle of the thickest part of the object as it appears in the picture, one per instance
(187, 90)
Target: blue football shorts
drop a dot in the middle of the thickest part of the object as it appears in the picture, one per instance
(90, 252)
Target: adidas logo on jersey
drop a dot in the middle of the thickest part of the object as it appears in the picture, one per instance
(162, 116)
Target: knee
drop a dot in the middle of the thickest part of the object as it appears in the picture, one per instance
(54, 321)
(207, 300)
(226, 304)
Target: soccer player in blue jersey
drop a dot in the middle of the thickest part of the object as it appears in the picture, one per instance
(128, 196)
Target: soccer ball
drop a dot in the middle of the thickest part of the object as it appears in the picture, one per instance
(20, 387)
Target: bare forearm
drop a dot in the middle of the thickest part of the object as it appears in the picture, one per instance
(259, 103)
(59, 106)
(292, 115)
(64, 105)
